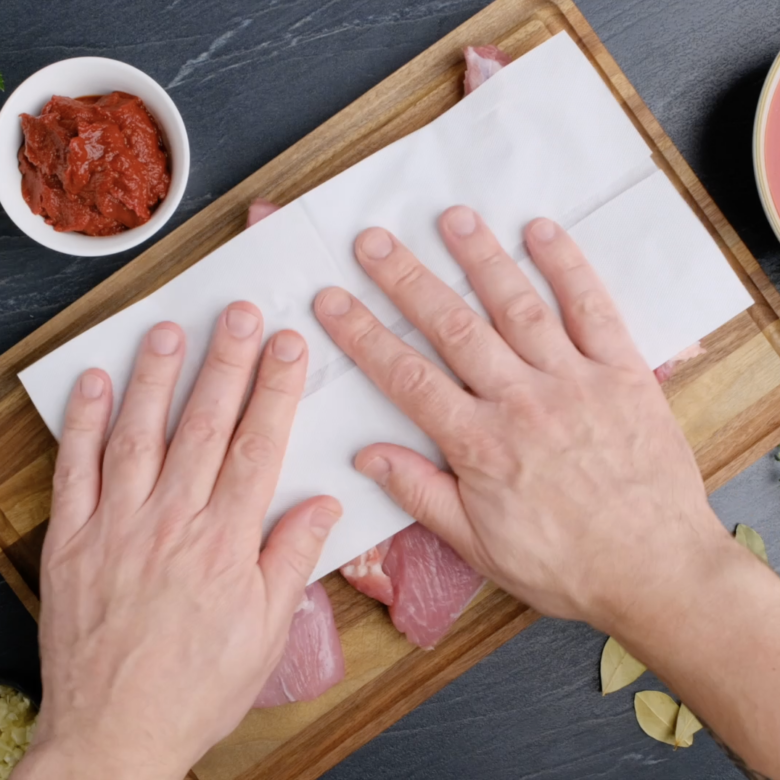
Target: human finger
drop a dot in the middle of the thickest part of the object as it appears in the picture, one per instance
(466, 342)
(292, 552)
(421, 489)
(520, 315)
(249, 475)
(589, 313)
(412, 382)
(136, 447)
(76, 487)
(209, 419)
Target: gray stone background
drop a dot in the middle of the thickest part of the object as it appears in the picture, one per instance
(253, 76)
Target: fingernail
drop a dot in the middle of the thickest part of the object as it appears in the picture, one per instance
(335, 302)
(322, 521)
(462, 221)
(92, 386)
(288, 347)
(376, 244)
(242, 324)
(544, 230)
(377, 469)
(164, 341)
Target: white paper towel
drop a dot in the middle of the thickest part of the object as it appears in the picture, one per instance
(542, 137)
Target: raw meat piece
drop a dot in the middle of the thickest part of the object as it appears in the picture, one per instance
(432, 585)
(365, 573)
(482, 62)
(313, 660)
(665, 371)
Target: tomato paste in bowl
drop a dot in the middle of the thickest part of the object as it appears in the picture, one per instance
(95, 165)
(766, 146)
(113, 204)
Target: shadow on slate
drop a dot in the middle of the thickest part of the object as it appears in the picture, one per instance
(533, 710)
(19, 664)
(726, 157)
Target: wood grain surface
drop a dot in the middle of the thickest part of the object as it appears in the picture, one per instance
(726, 400)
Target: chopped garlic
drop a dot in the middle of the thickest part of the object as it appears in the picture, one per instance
(17, 721)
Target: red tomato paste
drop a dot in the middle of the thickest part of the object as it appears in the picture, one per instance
(772, 149)
(94, 165)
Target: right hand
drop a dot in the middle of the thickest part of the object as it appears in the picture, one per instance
(572, 486)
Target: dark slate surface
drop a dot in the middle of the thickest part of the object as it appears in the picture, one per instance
(253, 76)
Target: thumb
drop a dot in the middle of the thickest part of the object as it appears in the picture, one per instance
(421, 489)
(292, 551)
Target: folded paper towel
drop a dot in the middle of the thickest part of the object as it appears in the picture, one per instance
(543, 137)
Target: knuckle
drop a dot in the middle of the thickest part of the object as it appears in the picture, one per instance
(77, 425)
(223, 361)
(298, 562)
(285, 387)
(408, 275)
(409, 375)
(593, 305)
(150, 380)
(415, 502)
(490, 259)
(525, 309)
(457, 327)
(368, 334)
(257, 448)
(132, 444)
(201, 429)
(68, 476)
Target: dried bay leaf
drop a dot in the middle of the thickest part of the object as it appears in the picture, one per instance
(751, 539)
(687, 725)
(656, 714)
(618, 667)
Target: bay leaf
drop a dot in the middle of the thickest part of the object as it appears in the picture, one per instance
(751, 539)
(618, 667)
(656, 714)
(687, 725)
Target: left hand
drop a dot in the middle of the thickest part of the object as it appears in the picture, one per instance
(159, 624)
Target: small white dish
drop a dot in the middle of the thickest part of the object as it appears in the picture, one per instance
(74, 78)
(771, 87)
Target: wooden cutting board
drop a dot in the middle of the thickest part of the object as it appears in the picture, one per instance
(728, 400)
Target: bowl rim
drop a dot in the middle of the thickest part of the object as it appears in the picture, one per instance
(177, 143)
(770, 89)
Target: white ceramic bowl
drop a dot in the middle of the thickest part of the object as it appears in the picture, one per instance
(74, 78)
(771, 86)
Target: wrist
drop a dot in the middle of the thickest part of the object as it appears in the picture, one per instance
(703, 584)
(668, 582)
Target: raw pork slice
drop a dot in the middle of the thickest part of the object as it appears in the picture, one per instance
(665, 371)
(482, 62)
(313, 660)
(432, 585)
(365, 573)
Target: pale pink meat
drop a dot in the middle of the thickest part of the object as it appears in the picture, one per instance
(432, 585)
(365, 573)
(665, 371)
(482, 62)
(313, 660)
